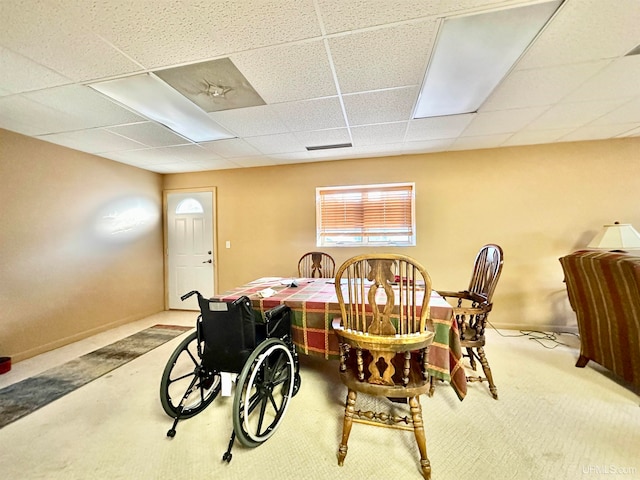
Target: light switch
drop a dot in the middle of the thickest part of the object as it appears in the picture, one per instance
(228, 244)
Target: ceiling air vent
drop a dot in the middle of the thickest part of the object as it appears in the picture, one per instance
(327, 147)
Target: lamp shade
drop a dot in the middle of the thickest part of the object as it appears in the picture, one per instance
(617, 236)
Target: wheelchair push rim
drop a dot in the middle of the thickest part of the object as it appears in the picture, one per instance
(184, 374)
(263, 391)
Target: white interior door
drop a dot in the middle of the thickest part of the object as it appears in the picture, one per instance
(190, 255)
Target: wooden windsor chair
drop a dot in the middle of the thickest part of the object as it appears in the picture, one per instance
(316, 265)
(384, 334)
(472, 307)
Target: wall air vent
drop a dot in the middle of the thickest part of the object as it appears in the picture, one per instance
(327, 147)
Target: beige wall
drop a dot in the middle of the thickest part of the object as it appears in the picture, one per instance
(537, 202)
(62, 275)
(61, 280)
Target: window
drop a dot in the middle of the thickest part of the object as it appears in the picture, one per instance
(366, 215)
(189, 205)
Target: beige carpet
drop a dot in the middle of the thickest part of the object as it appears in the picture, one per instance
(553, 421)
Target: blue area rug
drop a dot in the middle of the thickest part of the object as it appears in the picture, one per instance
(24, 397)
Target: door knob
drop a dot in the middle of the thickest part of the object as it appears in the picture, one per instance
(208, 261)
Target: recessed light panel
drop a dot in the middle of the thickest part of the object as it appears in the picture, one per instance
(156, 100)
(472, 55)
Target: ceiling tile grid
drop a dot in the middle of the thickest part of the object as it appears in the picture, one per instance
(328, 71)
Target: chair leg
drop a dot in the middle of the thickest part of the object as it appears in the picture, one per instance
(582, 361)
(418, 430)
(472, 359)
(487, 372)
(346, 426)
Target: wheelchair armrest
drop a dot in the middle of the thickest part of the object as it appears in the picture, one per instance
(275, 311)
(274, 317)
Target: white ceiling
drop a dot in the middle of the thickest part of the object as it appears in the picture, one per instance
(330, 71)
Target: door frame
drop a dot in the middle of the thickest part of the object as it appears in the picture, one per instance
(165, 230)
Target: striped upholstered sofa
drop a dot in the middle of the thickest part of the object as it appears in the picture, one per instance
(604, 291)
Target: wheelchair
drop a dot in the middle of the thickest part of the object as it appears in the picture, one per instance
(229, 339)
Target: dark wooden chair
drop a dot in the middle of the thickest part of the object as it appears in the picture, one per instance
(384, 334)
(472, 307)
(316, 265)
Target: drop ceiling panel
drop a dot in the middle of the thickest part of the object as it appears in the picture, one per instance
(436, 128)
(187, 153)
(586, 30)
(473, 143)
(170, 157)
(412, 148)
(299, 71)
(93, 141)
(273, 144)
(210, 164)
(231, 148)
(346, 15)
(544, 86)
(381, 150)
(290, 158)
(628, 112)
(317, 138)
(250, 25)
(379, 134)
(317, 114)
(157, 35)
(28, 117)
(531, 137)
(150, 134)
(138, 158)
(503, 121)
(633, 133)
(251, 121)
(621, 78)
(597, 132)
(58, 37)
(251, 162)
(192, 31)
(574, 115)
(383, 58)
(19, 74)
(391, 105)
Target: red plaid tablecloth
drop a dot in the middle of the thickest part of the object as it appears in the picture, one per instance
(314, 305)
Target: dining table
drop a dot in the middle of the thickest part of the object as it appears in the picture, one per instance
(314, 305)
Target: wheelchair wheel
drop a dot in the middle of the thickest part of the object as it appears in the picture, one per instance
(262, 392)
(184, 373)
